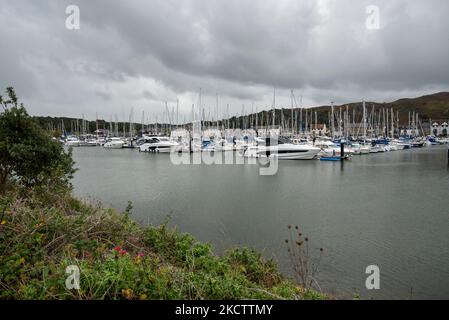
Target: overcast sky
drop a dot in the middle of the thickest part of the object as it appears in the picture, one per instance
(142, 53)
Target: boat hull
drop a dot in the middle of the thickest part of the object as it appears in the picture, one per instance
(283, 152)
(113, 145)
(331, 159)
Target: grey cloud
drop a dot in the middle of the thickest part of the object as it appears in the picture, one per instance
(142, 53)
(104, 95)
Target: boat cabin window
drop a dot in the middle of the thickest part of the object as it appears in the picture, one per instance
(283, 140)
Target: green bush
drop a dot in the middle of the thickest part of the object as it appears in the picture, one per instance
(28, 154)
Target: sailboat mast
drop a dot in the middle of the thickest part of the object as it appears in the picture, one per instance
(332, 119)
(274, 107)
(364, 120)
(291, 98)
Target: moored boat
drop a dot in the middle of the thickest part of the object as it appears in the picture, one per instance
(114, 143)
(158, 144)
(283, 150)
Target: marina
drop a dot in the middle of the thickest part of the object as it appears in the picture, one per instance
(281, 133)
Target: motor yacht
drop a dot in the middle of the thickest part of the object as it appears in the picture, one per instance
(284, 150)
(114, 143)
(72, 141)
(158, 144)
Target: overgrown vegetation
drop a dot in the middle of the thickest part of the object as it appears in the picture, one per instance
(44, 230)
(119, 259)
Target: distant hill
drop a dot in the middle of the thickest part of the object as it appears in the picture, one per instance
(434, 106)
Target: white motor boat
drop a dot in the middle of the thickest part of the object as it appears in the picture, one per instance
(336, 151)
(365, 149)
(284, 150)
(91, 143)
(356, 148)
(114, 143)
(158, 144)
(72, 142)
(377, 148)
(359, 148)
(223, 145)
(401, 145)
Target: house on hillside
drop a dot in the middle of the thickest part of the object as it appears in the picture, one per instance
(319, 129)
(439, 128)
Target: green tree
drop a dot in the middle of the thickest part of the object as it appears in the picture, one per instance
(28, 154)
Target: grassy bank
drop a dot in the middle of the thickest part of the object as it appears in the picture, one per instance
(41, 234)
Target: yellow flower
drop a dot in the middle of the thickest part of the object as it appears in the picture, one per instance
(3, 222)
(127, 293)
(22, 260)
(143, 296)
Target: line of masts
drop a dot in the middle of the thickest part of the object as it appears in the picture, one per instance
(293, 121)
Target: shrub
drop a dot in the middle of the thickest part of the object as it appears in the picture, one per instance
(28, 155)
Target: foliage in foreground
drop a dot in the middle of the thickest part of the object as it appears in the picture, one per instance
(119, 259)
(28, 155)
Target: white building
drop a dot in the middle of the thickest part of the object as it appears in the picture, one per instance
(439, 129)
(319, 129)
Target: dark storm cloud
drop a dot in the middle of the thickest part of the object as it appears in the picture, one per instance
(142, 53)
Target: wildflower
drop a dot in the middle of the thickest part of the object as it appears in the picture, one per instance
(139, 257)
(127, 293)
(120, 250)
(22, 260)
(3, 222)
(143, 296)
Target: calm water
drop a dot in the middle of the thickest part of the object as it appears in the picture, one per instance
(389, 209)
